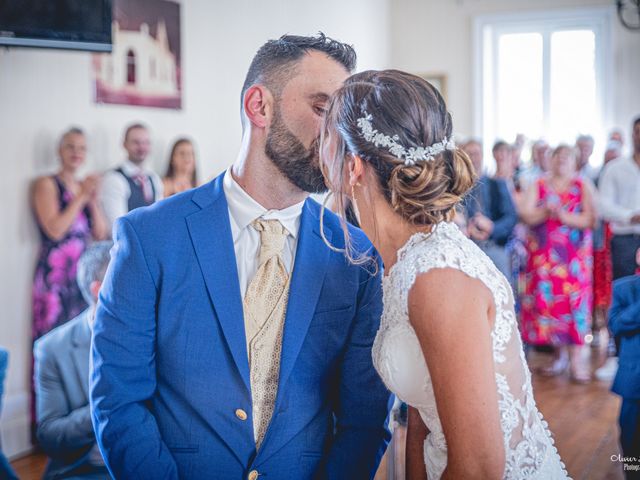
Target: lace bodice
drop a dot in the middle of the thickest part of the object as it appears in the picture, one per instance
(399, 360)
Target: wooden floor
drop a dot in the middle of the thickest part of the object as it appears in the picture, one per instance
(582, 418)
(30, 467)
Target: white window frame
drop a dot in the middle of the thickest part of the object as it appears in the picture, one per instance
(488, 28)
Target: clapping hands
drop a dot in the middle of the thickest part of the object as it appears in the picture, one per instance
(554, 209)
(89, 187)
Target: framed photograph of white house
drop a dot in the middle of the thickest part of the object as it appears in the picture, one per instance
(144, 66)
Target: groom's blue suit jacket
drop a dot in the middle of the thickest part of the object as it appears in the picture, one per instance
(169, 356)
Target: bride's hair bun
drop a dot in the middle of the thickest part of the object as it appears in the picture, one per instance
(428, 192)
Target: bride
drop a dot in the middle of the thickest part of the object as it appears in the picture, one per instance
(448, 343)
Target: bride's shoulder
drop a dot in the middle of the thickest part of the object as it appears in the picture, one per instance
(445, 247)
(447, 293)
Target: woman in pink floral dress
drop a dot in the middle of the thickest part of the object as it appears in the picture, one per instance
(68, 219)
(556, 305)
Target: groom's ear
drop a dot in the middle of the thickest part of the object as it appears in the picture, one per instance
(356, 170)
(258, 105)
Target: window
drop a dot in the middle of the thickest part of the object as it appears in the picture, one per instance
(131, 68)
(543, 75)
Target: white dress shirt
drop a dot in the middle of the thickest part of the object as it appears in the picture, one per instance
(115, 191)
(619, 195)
(243, 210)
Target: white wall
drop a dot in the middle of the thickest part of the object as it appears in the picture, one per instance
(42, 92)
(437, 36)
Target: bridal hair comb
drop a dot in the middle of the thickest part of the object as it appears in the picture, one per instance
(410, 155)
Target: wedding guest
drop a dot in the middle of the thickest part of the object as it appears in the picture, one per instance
(584, 150)
(517, 147)
(489, 210)
(509, 173)
(473, 148)
(619, 203)
(131, 185)
(182, 171)
(602, 266)
(624, 323)
(64, 427)
(616, 135)
(503, 154)
(612, 151)
(68, 217)
(556, 307)
(539, 164)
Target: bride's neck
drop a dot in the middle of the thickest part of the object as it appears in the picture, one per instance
(387, 231)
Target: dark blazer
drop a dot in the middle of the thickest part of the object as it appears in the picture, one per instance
(64, 427)
(170, 357)
(491, 197)
(624, 323)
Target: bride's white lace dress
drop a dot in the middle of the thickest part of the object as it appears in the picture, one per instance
(399, 360)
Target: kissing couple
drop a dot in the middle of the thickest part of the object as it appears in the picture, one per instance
(244, 331)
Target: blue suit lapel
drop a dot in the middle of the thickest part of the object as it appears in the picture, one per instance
(210, 232)
(310, 267)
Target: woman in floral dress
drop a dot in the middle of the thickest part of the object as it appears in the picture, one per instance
(68, 219)
(556, 306)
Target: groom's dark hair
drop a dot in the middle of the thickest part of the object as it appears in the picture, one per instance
(274, 63)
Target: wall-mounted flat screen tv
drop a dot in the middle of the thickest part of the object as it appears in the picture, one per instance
(69, 24)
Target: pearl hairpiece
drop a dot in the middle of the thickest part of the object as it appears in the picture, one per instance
(410, 155)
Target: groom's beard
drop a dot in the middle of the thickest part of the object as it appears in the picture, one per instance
(299, 164)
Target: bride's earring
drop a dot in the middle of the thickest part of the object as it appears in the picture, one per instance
(353, 201)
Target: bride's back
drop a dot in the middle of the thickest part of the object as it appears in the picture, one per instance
(529, 451)
(387, 145)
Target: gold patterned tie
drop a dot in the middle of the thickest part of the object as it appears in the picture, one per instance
(265, 306)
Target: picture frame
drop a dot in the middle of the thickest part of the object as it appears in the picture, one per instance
(144, 68)
(438, 80)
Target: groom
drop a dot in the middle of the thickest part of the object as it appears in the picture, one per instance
(230, 342)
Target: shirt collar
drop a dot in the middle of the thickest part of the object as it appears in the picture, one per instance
(130, 169)
(244, 209)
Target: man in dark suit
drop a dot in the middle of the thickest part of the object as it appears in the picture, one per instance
(490, 211)
(230, 340)
(624, 323)
(132, 184)
(64, 427)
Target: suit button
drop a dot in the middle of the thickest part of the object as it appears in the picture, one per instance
(253, 475)
(241, 414)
